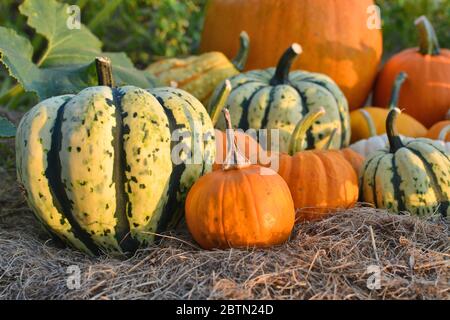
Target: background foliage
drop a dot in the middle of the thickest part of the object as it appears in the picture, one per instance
(148, 30)
(398, 22)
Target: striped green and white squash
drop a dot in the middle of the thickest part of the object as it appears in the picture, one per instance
(412, 176)
(97, 166)
(276, 99)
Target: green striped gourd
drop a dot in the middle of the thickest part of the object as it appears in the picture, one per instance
(97, 166)
(412, 176)
(276, 99)
(199, 75)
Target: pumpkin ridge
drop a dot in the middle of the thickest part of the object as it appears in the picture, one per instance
(53, 173)
(245, 83)
(175, 177)
(253, 203)
(363, 173)
(374, 188)
(243, 121)
(399, 194)
(305, 110)
(324, 85)
(223, 185)
(439, 150)
(200, 74)
(361, 177)
(434, 182)
(123, 205)
(265, 119)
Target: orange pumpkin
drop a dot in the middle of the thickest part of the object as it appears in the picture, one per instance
(245, 143)
(355, 159)
(334, 34)
(238, 206)
(321, 181)
(371, 121)
(436, 131)
(426, 93)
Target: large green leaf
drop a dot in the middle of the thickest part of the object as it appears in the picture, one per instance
(7, 129)
(67, 63)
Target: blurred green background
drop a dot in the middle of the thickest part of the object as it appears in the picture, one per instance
(150, 29)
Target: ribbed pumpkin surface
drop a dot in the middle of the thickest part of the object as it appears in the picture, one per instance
(97, 166)
(198, 75)
(415, 179)
(255, 103)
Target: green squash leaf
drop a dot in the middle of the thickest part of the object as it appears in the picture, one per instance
(67, 64)
(7, 129)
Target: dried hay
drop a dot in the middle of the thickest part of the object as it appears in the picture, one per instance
(322, 260)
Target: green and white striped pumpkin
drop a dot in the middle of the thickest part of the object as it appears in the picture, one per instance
(97, 166)
(276, 99)
(412, 176)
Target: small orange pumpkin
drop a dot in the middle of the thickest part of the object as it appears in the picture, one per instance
(238, 206)
(321, 181)
(435, 132)
(246, 143)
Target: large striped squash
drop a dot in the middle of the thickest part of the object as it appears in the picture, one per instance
(97, 166)
(276, 99)
(412, 176)
(199, 75)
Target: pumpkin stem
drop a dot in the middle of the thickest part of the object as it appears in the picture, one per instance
(391, 129)
(234, 158)
(330, 139)
(395, 97)
(284, 65)
(429, 43)
(444, 132)
(104, 71)
(218, 102)
(298, 136)
(369, 121)
(241, 58)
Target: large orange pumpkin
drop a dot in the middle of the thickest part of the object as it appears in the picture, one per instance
(238, 206)
(426, 93)
(321, 181)
(335, 35)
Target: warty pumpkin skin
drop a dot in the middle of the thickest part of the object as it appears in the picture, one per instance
(335, 36)
(426, 94)
(97, 166)
(239, 207)
(371, 121)
(199, 75)
(412, 176)
(321, 181)
(276, 99)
